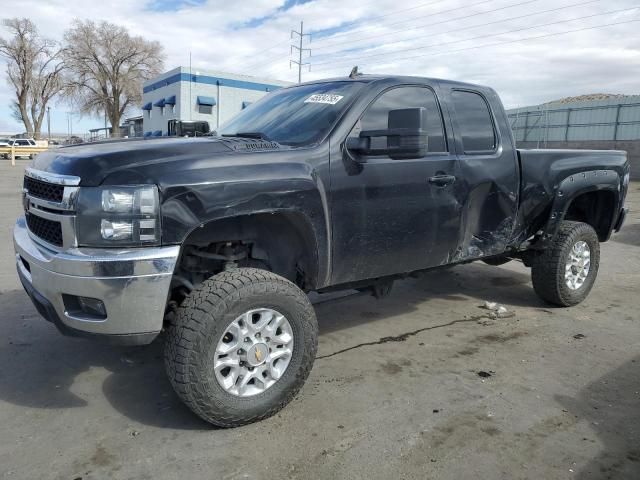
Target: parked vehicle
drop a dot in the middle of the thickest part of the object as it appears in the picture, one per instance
(335, 184)
(73, 140)
(20, 142)
(187, 128)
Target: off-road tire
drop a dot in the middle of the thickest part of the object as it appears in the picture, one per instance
(548, 269)
(200, 322)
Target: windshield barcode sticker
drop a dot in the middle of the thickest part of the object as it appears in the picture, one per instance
(327, 98)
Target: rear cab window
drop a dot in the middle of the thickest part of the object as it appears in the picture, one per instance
(475, 122)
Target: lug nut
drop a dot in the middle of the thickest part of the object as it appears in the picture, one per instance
(267, 339)
(258, 335)
(247, 339)
(240, 352)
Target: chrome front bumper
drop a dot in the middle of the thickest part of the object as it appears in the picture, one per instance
(132, 283)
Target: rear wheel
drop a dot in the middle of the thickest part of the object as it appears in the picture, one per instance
(566, 271)
(241, 346)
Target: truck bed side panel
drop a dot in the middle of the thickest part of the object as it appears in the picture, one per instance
(543, 192)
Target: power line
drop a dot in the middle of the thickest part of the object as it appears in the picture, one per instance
(342, 26)
(267, 49)
(359, 58)
(263, 61)
(505, 42)
(471, 27)
(270, 59)
(413, 19)
(380, 16)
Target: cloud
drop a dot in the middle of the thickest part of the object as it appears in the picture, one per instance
(459, 39)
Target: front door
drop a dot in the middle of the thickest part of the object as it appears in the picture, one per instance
(393, 216)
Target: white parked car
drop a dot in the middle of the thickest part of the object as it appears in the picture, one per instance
(20, 142)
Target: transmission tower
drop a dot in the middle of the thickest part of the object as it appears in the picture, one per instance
(299, 48)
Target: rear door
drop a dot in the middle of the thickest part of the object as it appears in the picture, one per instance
(489, 175)
(393, 216)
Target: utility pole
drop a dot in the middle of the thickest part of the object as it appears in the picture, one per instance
(299, 48)
(49, 123)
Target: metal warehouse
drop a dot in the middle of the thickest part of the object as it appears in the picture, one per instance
(596, 121)
(184, 95)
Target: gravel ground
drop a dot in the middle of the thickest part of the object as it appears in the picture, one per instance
(395, 391)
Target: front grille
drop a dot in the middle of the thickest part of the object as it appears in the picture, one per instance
(48, 230)
(44, 190)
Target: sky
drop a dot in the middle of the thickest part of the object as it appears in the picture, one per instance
(530, 51)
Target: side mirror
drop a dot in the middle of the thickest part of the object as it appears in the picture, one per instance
(406, 136)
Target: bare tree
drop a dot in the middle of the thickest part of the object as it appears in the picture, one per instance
(33, 69)
(106, 68)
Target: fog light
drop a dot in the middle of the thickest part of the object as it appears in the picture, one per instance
(92, 306)
(86, 308)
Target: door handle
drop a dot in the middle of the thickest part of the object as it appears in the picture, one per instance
(442, 180)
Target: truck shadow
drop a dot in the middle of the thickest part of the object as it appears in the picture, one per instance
(610, 405)
(38, 366)
(630, 235)
(475, 283)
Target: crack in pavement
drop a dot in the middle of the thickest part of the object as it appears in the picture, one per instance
(403, 336)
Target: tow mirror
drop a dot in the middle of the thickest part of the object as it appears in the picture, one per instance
(406, 136)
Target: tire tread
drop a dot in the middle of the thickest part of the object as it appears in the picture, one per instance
(547, 272)
(208, 303)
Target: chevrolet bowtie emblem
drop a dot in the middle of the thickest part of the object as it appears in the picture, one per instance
(258, 355)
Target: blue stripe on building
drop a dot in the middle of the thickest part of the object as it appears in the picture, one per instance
(208, 80)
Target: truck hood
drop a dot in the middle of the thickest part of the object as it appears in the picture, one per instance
(121, 159)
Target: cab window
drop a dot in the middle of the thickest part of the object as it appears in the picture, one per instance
(474, 122)
(376, 115)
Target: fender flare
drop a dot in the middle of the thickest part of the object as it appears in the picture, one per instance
(571, 188)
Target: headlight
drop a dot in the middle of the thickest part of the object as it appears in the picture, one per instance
(118, 216)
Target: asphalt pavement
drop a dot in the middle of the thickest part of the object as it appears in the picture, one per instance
(423, 384)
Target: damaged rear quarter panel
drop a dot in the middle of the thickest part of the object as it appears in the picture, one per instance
(552, 179)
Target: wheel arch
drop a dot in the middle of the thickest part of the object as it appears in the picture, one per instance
(283, 239)
(590, 197)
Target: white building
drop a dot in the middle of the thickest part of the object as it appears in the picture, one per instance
(214, 97)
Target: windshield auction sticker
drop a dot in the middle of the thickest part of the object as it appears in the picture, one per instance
(327, 98)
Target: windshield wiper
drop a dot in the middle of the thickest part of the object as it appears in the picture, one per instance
(258, 135)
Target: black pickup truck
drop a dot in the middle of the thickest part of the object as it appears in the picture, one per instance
(344, 183)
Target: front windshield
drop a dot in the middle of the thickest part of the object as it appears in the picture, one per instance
(295, 116)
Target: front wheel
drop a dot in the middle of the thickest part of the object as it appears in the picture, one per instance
(565, 272)
(241, 346)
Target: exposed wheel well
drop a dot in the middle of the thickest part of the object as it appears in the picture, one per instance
(595, 208)
(282, 242)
